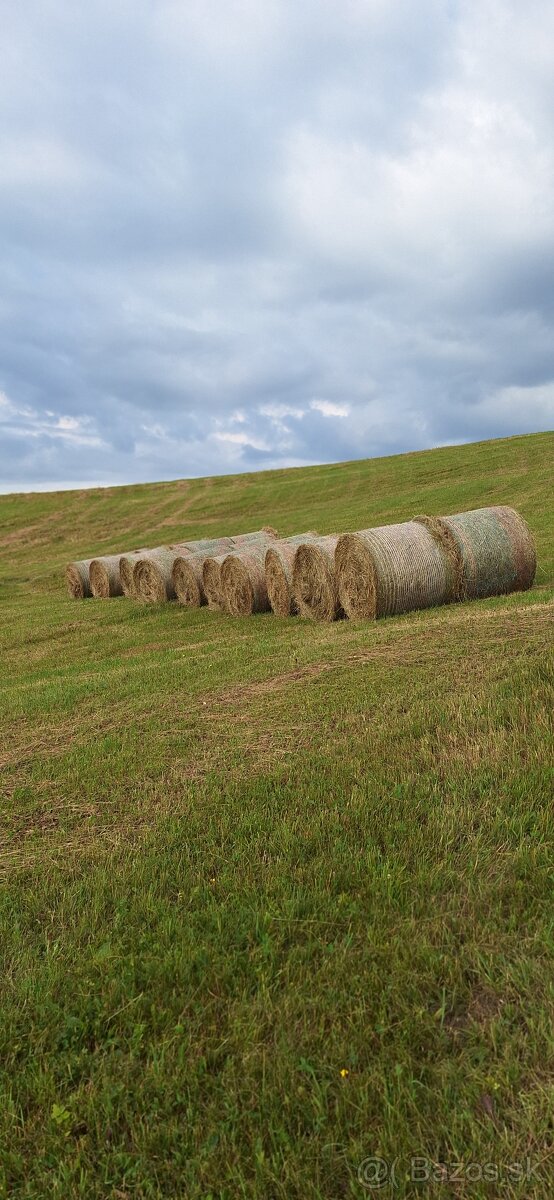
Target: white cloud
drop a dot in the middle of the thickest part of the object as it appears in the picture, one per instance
(278, 412)
(241, 439)
(24, 422)
(327, 409)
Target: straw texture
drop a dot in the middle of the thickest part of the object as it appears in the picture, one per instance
(211, 568)
(187, 571)
(314, 581)
(77, 579)
(211, 578)
(279, 561)
(126, 569)
(491, 550)
(392, 569)
(243, 584)
(152, 573)
(104, 576)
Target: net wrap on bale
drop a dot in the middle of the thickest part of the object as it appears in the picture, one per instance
(279, 562)
(77, 579)
(491, 550)
(314, 580)
(392, 569)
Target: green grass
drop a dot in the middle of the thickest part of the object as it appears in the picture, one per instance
(240, 857)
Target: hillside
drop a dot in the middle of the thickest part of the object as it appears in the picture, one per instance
(276, 898)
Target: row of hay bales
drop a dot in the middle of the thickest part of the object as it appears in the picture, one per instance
(372, 573)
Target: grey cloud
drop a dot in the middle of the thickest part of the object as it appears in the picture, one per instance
(249, 234)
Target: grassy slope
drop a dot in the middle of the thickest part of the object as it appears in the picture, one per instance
(242, 856)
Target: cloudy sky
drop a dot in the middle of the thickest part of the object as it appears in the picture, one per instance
(238, 234)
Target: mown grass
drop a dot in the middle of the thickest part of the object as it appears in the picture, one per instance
(275, 898)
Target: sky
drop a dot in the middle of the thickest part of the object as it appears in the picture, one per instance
(242, 234)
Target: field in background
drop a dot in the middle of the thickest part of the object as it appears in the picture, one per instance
(276, 898)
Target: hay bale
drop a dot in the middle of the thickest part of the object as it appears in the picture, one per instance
(77, 579)
(187, 571)
(243, 585)
(314, 581)
(392, 569)
(105, 580)
(211, 580)
(491, 550)
(278, 563)
(212, 567)
(153, 571)
(126, 568)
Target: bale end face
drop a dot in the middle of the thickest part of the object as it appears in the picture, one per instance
(278, 564)
(237, 587)
(278, 579)
(314, 581)
(126, 576)
(211, 578)
(188, 582)
(126, 571)
(356, 577)
(243, 583)
(104, 577)
(149, 582)
(77, 580)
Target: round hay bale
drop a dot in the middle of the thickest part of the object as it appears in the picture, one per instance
(445, 539)
(211, 567)
(278, 563)
(77, 579)
(104, 576)
(491, 550)
(152, 579)
(211, 579)
(187, 572)
(153, 573)
(126, 568)
(314, 581)
(392, 569)
(243, 583)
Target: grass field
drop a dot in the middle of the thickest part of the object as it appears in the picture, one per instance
(275, 898)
